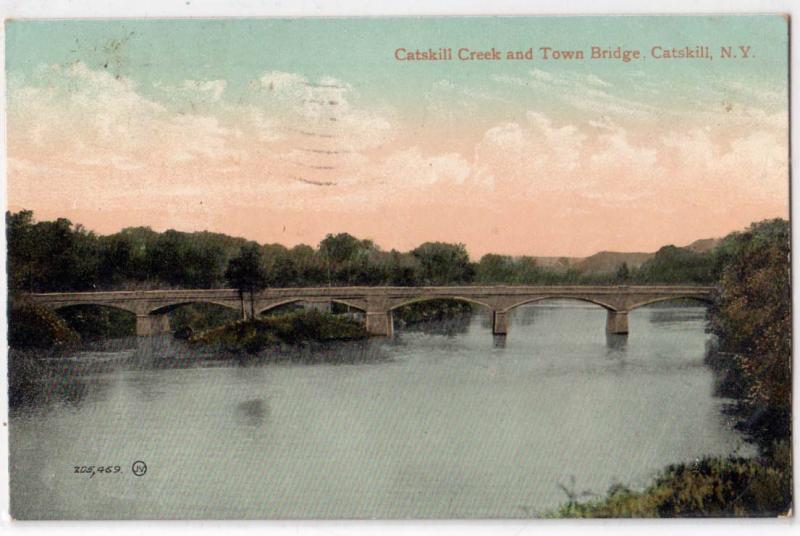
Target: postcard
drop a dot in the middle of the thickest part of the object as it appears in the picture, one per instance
(399, 267)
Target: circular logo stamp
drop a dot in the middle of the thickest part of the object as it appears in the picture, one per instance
(139, 468)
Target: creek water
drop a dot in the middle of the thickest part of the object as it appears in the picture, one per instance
(441, 422)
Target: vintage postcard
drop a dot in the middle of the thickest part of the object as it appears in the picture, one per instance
(399, 267)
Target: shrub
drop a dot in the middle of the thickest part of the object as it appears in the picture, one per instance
(32, 326)
(711, 487)
(254, 335)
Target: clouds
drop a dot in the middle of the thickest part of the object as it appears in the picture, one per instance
(410, 168)
(78, 116)
(197, 149)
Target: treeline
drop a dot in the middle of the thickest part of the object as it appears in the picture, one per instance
(58, 255)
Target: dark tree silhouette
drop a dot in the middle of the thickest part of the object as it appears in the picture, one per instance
(246, 273)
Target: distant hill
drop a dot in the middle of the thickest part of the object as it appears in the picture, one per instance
(704, 244)
(609, 261)
(557, 263)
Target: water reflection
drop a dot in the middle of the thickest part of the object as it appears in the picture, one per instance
(252, 412)
(674, 315)
(499, 341)
(616, 344)
(457, 325)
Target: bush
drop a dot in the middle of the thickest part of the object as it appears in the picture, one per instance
(254, 335)
(32, 326)
(711, 487)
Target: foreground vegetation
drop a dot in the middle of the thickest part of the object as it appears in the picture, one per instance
(752, 320)
(31, 326)
(255, 335)
(711, 487)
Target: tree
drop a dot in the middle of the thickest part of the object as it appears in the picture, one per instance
(442, 263)
(752, 316)
(494, 268)
(672, 264)
(342, 253)
(284, 272)
(246, 273)
(527, 270)
(21, 251)
(623, 273)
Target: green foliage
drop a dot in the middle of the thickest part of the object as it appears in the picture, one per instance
(679, 265)
(494, 268)
(752, 317)
(93, 323)
(48, 256)
(347, 258)
(195, 317)
(32, 326)
(60, 256)
(254, 335)
(623, 274)
(710, 487)
(442, 264)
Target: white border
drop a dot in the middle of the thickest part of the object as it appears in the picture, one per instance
(289, 8)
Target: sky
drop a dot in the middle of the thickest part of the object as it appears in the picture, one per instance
(284, 130)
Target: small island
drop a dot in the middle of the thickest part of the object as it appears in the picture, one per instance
(254, 335)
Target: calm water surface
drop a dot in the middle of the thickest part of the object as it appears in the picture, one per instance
(441, 424)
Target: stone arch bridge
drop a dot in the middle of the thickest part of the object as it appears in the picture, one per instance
(377, 303)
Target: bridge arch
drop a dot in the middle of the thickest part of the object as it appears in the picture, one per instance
(163, 309)
(287, 301)
(604, 305)
(420, 299)
(361, 308)
(95, 321)
(706, 300)
(61, 306)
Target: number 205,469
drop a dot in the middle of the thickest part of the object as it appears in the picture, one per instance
(94, 469)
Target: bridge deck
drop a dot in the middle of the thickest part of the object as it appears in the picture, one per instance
(378, 302)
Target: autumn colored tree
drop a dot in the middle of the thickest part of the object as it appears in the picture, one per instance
(752, 317)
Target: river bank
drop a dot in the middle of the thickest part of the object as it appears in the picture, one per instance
(709, 487)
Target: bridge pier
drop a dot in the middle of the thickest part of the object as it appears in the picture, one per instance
(617, 322)
(499, 322)
(379, 323)
(152, 324)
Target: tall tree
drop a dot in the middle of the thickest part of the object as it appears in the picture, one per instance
(246, 273)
